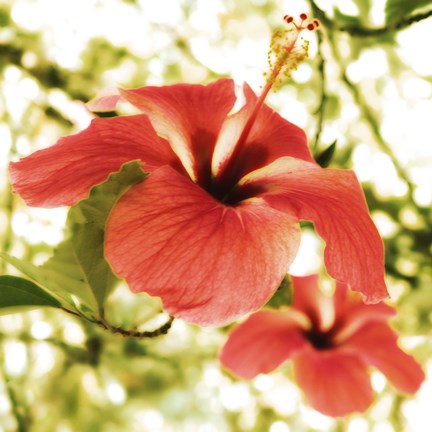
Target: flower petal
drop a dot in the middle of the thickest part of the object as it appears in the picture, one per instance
(65, 172)
(106, 100)
(210, 263)
(310, 300)
(352, 313)
(334, 382)
(333, 200)
(377, 345)
(271, 137)
(261, 343)
(189, 117)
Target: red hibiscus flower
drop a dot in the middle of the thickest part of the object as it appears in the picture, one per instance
(214, 227)
(331, 340)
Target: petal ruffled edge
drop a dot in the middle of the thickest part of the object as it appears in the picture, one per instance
(377, 344)
(65, 172)
(333, 200)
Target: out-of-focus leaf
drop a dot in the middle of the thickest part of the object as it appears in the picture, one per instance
(283, 297)
(324, 158)
(364, 6)
(78, 266)
(397, 9)
(332, 107)
(16, 293)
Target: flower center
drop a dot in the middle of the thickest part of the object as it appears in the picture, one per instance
(284, 56)
(320, 340)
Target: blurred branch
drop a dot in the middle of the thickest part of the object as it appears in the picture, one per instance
(359, 31)
(362, 104)
(323, 95)
(23, 421)
(8, 204)
(379, 31)
(374, 126)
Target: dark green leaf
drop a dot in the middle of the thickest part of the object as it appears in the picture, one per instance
(398, 9)
(324, 158)
(16, 293)
(78, 267)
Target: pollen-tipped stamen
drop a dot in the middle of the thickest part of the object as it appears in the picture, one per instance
(284, 56)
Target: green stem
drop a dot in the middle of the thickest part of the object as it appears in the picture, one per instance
(136, 334)
(22, 420)
(323, 96)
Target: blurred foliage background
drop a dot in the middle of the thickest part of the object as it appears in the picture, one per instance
(366, 89)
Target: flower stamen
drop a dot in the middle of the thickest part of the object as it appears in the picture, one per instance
(287, 51)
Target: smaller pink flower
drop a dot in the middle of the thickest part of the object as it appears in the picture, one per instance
(332, 341)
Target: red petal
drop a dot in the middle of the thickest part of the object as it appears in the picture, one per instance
(261, 343)
(377, 345)
(333, 200)
(352, 313)
(65, 172)
(106, 100)
(271, 137)
(309, 299)
(210, 263)
(334, 382)
(189, 117)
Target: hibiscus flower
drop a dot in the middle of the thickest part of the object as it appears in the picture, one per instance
(214, 227)
(331, 341)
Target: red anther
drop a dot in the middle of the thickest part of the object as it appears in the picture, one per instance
(303, 16)
(288, 19)
(316, 23)
(310, 27)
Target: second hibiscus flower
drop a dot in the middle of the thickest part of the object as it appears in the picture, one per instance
(214, 227)
(332, 341)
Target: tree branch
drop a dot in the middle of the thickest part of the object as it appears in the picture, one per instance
(136, 334)
(379, 31)
(358, 31)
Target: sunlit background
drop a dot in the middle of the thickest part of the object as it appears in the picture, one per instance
(369, 94)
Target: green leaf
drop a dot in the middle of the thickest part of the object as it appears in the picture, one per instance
(78, 266)
(63, 285)
(87, 225)
(326, 156)
(398, 9)
(16, 293)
